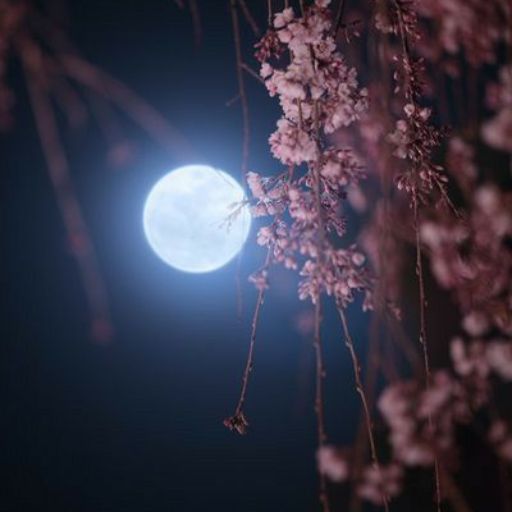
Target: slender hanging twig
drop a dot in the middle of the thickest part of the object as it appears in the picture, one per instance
(141, 112)
(373, 354)
(319, 399)
(253, 73)
(249, 17)
(238, 421)
(245, 128)
(419, 266)
(320, 369)
(423, 339)
(349, 343)
(58, 168)
(421, 292)
(241, 87)
(196, 21)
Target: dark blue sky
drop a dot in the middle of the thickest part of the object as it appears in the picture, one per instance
(137, 425)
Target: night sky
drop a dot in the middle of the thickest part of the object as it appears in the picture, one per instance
(136, 425)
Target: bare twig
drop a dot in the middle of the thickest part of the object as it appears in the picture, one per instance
(349, 343)
(421, 291)
(360, 446)
(249, 17)
(319, 399)
(238, 422)
(454, 496)
(419, 266)
(245, 121)
(241, 87)
(251, 72)
(196, 21)
(423, 337)
(58, 168)
(233, 100)
(141, 112)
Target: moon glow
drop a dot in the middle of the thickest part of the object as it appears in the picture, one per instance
(190, 221)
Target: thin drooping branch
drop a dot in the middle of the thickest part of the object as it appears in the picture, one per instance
(349, 343)
(253, 73)
(423, 339)
(58, 168)
(196, 21)
(66, 63)
(140, 112)
(410, 96)
(454, 495)
(319, 399)
(421, 293)
(238, 421)
(250, 358)
(249, 17)
(373, 355)
(241, 87)
(70, 102)
(320, 368)
(242, 95)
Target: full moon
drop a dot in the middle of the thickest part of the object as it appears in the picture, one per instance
(195, 218)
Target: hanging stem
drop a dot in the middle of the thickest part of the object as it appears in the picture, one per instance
(349, 343)
(245, 126)
(238, 421)
(423, 338)
(250, 357)
(421, 292)
(319, 399)
(249, 17)
(141, 112)
(241, 86)
(58, 169)
(419, 266)
(196, 21)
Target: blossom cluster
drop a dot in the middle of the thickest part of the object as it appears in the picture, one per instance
(372, 484)
(318, 94)
(471, 256)
(414, 137)
(497, 132)
(467, 246)
(470, 26)
(406, 408)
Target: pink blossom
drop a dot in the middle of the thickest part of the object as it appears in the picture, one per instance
(379, 482)
(332, 463)
(259, 279)
(499, 435)
(282, 19)
(475, 323)
(498, 131)
(471, 26)
(499, 356)
(291, 145)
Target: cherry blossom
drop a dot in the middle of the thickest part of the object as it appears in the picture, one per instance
(332, 463)
(497, 132)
